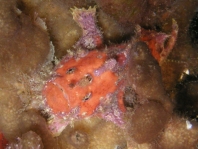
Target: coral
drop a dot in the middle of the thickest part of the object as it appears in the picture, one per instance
(146, 112)
(63, 27)
(78, 138)
(178, 133)
(24, 48)
(150, 100)
(32, 30)
(58, 19)
(130, 13)
(183, 131)
(145, 88)
(9, 117)
(28, 140)
(78, 135)
(32, 120)
(89, 133)
(111, 30)
(113, 134)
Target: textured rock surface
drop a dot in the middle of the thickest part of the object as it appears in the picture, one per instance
(28, 140)
(27, 27)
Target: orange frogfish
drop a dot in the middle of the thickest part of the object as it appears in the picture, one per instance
(89, 82)
(93, 80)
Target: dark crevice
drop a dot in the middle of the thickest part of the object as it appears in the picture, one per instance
(193, 30)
